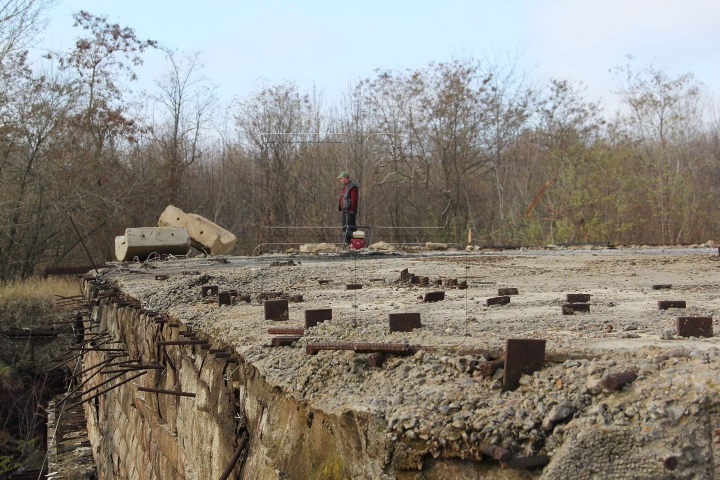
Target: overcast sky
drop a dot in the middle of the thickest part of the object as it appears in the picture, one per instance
(330, 44)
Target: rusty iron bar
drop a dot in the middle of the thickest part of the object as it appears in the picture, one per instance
(166, 392)
(187, 333)
(494, 451)
(489, 368)
(314, 348)
(236, 456)
(284, 341)
(222, 354)
(96, 349)
(169, 324)
(102, 383)
(286, 331)
(353, 286)
(205, 346)
(216, 350)
(664, 286)
(170, 362)
(526, 462)
(84, 382)
(135, 368)
(106, 390)
(231, 360)
(615, 381)
(91, 368)
(181, 342)
(376, 359)
(66, 361)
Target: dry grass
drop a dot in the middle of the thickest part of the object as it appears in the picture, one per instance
(39, 289)
(31, 302)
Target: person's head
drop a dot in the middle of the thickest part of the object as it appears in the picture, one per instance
(344, 177)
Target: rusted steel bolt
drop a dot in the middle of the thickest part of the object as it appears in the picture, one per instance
(498, 453)
(670, 463)
(615, 381)
(376, 359)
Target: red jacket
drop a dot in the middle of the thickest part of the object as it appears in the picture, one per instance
(353, 198)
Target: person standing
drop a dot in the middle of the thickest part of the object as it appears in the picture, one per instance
(348, 205)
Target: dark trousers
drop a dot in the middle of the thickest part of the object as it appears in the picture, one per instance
(348, 219)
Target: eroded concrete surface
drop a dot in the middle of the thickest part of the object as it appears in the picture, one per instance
(425, 415)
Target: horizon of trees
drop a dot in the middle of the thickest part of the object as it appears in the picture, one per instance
(447, 148)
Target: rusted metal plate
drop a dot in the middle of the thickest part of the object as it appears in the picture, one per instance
(577, 297)
(665, 304)
(462, 285)
(570, 309)
(434, 296)
(318, 315)
(694, 327)
(404, 322)
(240, 299)
(503, 292)
(522, 356)
(284, 341)
(353, 286)
(424, 281)
(323, 282)
(276, 310)
(664, 286)
(497, 301)
(209, 290)
(451, 282)
(296, 298)
(224, 298)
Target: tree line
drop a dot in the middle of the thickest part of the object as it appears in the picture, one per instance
(438, 151)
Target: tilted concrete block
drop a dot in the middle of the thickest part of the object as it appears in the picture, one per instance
(204, 234)
(143, 241)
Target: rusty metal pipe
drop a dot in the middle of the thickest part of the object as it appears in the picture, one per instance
(498, 453)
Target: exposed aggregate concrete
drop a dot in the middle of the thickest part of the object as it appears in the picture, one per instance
(434, 402)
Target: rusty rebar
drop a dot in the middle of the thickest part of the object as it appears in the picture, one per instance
(313, 348)
(181, 342)
(526, 462)
(286, 331)
(498, 453)
(615, 381)
(376, 359)
(236, 456)
(166, 392)
(106, 390)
